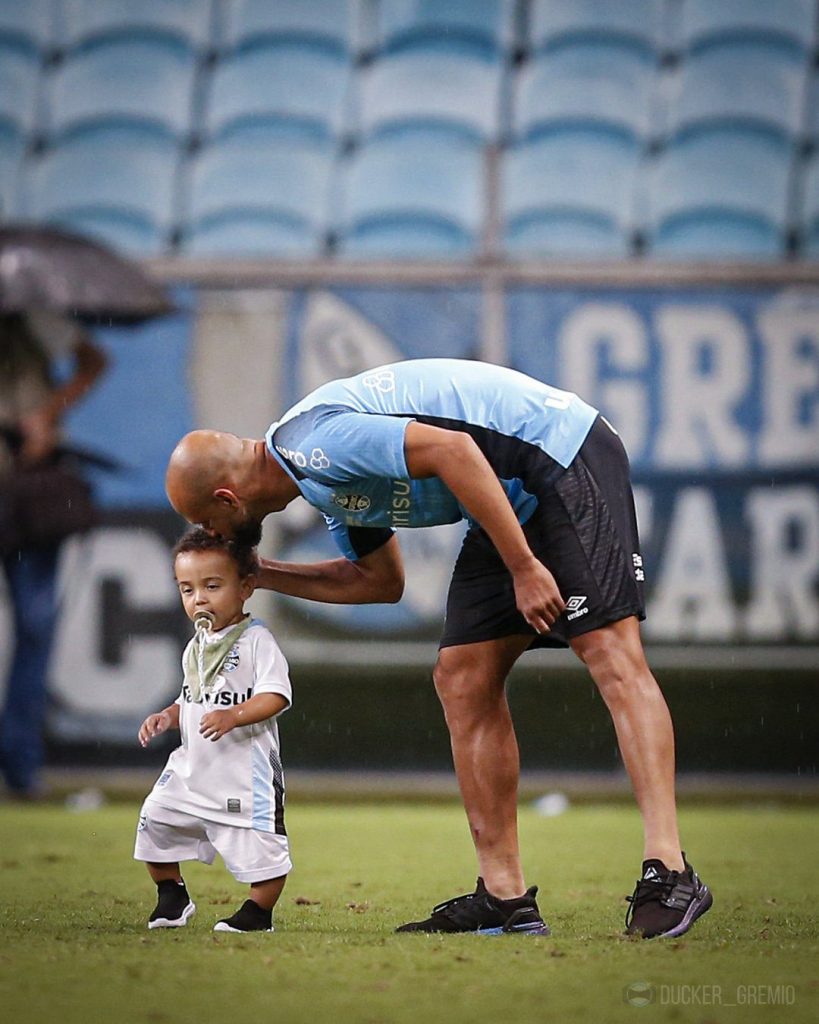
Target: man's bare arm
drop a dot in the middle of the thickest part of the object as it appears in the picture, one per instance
(455, 458)
(374, 579)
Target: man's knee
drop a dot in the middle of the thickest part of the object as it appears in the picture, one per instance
(617, 664)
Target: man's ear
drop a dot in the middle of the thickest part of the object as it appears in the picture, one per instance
(227, 497)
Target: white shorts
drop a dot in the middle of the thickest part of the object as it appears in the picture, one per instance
(165, 836)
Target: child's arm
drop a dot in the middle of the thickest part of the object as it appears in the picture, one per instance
(158, 723)
(215, 724)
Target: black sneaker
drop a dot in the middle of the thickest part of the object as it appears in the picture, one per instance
(666, 903)
(250, 917)
(485, 914)
(174, 907)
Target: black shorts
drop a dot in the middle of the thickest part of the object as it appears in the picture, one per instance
(584, 530)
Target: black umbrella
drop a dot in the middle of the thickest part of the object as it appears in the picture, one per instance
(43, 268)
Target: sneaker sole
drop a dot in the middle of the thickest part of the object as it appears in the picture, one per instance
(179, 922)
(697, 908)
(522, 929)
(223, 926)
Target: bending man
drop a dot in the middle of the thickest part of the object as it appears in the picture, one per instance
(551, 558)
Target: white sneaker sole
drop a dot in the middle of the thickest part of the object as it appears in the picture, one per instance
(179, 922)
(223, 926)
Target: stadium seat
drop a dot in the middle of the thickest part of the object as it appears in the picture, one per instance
(256, 192)
(133, 198)
(124, 81)
(184, 21)
(416, 195)
(585, 84)
(19, 87)
(332, 24)
(740, 84)
(720, 194)
(706, 22)
(570, 193)
(12, 148)
(300, 89)
(421, 87)
(27, 23)
(555, 23)
(810, 208)
(482, 25)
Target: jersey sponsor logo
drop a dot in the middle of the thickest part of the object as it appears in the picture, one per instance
(223, 698)
(401, 503)
(163, 779)
(318, 460)
(234, 805)
(383, 381)
(352, 502)
(296, 457)
(576, 606)
(639, 572)
(143, 823)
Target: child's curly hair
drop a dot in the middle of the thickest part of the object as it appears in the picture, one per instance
(198, 539)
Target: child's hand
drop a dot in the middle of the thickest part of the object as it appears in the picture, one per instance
(153, 726)
(215, 724)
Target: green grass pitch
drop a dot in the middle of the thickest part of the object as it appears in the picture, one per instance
(74, 947)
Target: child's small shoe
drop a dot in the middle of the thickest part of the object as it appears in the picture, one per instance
(174, 907)
(250, 917)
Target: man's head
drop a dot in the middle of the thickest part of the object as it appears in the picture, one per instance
(209, 482)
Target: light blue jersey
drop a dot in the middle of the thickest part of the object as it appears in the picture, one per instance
(343, 444)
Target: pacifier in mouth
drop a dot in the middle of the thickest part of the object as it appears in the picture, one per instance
(204, 620)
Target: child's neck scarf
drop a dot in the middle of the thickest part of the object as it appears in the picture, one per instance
(205, 657)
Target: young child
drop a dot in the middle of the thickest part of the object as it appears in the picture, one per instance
(222, 790)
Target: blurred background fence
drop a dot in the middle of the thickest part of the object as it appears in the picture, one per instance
(619, 197)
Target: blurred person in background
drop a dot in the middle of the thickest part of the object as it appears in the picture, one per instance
(551, 558)
(36, 513)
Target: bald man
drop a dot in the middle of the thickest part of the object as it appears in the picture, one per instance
(543, 482)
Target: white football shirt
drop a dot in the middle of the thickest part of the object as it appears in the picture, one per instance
(237, 779)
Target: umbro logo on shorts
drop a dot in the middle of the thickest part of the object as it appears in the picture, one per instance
(576, 606)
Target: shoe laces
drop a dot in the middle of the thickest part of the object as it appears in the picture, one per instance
(448, 907)
(648, 890)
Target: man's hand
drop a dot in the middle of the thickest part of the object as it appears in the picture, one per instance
(537, 596)
(154, 725)
(215, 724)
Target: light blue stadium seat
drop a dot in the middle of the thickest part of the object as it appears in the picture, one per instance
(27, 23)
(258, 192)
(12, 148)
(586, 84)
(19, 85)
(810, 208)
(124, 81)
(124, 232)
(570, 193)
(752, 84)
(122, 180)
(706, 22)
(330, 23)
(558, 22)
(412, 87)
(412, 196)
(720, 194)
(186, 21)
(486, 25)
(298, 88)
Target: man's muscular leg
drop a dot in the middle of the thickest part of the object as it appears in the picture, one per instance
(470, 682)
(614, 657)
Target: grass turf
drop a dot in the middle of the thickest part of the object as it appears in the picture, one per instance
(74, 947)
